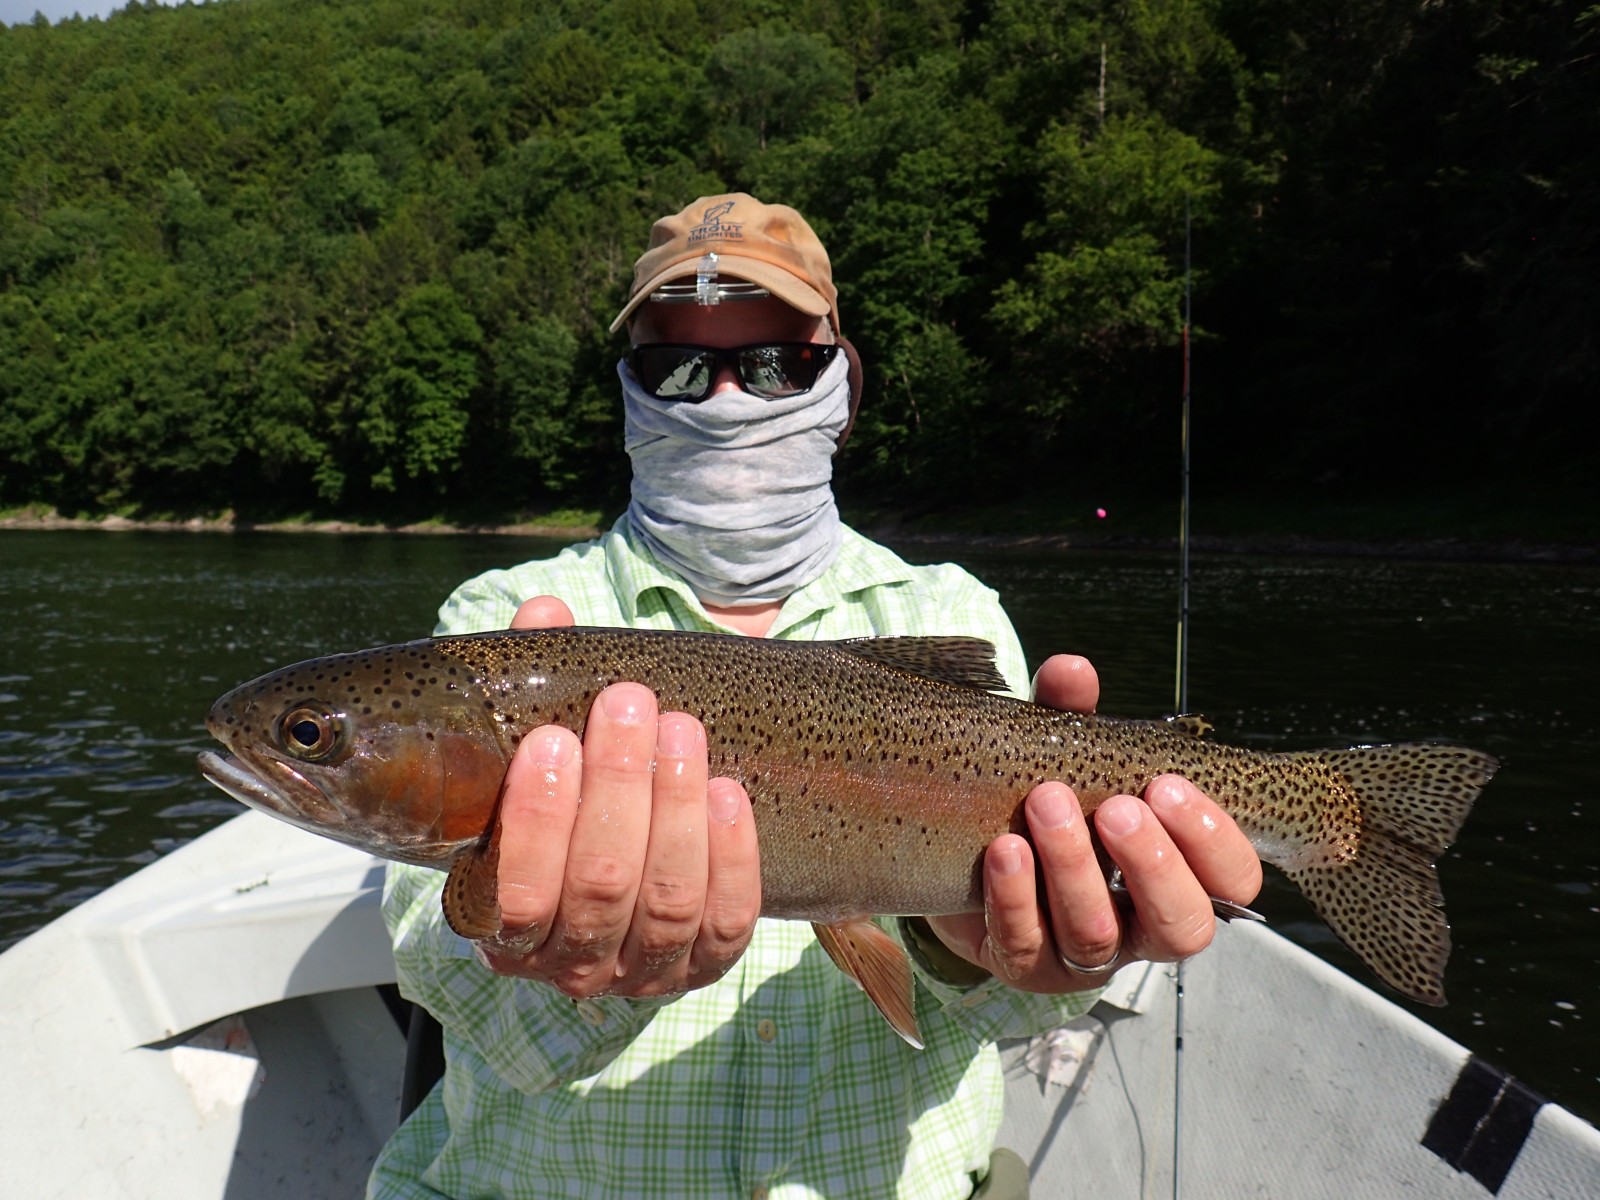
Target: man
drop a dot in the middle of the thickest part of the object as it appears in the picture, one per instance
(635, 1029)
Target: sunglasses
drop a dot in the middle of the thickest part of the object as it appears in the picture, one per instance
(771, 370)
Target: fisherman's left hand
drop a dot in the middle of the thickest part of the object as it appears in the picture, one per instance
(1176, 849)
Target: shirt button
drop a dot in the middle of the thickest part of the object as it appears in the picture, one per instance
(591, 1013)
(766, 1031)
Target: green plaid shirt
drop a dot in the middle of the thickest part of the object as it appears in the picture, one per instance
(779, 1081)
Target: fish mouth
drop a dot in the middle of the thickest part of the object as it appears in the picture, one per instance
(284, 793)
(272, 786)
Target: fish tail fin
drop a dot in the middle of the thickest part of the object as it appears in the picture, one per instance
(1383, 899)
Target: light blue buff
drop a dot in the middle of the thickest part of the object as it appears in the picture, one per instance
(735, 493)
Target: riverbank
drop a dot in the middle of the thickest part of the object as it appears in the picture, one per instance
(31, 519)
(895, 530)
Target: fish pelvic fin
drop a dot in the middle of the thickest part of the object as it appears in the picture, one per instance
(879, 965)
(471, 896)
(1383, 900)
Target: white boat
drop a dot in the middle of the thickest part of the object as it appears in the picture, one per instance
(223, 1024)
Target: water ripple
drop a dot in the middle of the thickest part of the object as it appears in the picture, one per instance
(19, 889)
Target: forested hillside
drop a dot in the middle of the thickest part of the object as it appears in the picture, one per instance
(291, 256)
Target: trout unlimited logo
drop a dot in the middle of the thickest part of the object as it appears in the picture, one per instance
(712, 227)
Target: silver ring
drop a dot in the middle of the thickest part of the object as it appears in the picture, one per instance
(1104, 968)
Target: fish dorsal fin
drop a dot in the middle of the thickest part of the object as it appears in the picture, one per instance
(877, 963)
(962, 661)
(1192, 724)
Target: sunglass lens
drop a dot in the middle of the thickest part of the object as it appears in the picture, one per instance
(673, 372)
(778, 371)
(686, 373)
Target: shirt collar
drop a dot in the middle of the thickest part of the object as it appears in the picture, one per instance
(861, 564)
(635, 572)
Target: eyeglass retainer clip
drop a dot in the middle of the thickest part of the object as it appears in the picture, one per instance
(707, 288)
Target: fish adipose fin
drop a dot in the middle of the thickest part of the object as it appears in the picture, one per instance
(962, 661)
(875, 961)
(1384, 900)
(1192, 724)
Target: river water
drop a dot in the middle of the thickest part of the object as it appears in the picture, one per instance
(118, 642)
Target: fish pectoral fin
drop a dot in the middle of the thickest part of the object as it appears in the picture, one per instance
(472, 891)
(876, 962)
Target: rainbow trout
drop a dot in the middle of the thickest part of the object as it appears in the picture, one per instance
(879, 769)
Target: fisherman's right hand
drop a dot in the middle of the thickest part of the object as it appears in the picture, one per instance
(652, 884)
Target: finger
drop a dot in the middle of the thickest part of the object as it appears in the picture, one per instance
(537, 811)
(672, 888)
(1016, 941)
(1083, 917)
(542, 612)
(1173, 917)
(1216, 849)
(609, 839)
(1067, 681)
(733, 880)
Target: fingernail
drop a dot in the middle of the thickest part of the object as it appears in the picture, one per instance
(1007, 861)
(625, 703)
(678, 736)
(1166, 794)
(723, 801)
(1120, 816)
(1052, 807)
(552, 749)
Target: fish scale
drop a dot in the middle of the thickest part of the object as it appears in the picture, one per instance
(878, 769)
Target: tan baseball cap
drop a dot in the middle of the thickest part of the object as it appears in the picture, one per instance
(769, 245)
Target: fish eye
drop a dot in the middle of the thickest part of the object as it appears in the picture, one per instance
(311, 734)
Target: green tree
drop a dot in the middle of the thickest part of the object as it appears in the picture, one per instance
(544, 417)
(420, 372)
(364, 255)
(765, 84)
(1106, 281)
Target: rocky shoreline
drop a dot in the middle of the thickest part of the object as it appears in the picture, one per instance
(1465, 549)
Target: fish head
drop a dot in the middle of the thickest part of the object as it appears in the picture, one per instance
(378, 749)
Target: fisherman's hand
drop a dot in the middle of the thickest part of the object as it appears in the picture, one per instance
(652, 885)
(1176, 849)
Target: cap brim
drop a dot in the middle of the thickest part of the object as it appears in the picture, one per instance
(791, 289)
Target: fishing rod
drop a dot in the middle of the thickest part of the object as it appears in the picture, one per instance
(1181, 698)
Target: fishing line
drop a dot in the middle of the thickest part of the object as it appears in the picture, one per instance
(1182, 700)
